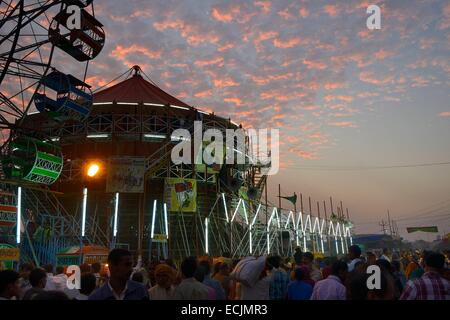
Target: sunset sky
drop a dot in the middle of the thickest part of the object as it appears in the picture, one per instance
(346, 99)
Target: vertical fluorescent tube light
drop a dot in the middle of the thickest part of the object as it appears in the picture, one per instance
(19, 214)
(225, 206)
(251, 241)
(206, 236)
(83, 217)
(116, 213)
(337, 247)
(268, 242)
(153, 219)
(166, 223)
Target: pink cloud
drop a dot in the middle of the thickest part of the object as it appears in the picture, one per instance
(226, 82)
(120, 52)
(285, 14)
(203, 94)
(331, 10)
(303, 12)
(444, 114)
(225, 16)
(345, 98)
(234, 100)
(264, 5)
(369, 77)
(342, 124)
(214, 61)
(310, 64)
(285, 44)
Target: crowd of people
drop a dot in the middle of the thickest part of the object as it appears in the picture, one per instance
(403, 276)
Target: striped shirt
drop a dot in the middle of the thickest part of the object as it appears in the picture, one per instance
(431, 286)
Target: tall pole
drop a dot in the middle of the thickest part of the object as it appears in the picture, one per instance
(331, 204)
(279, 196)
(389, 222)
(342, 210)
(326, 227)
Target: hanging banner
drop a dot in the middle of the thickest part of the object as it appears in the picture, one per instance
(159, 238)
(212, 168)
(9, 254)
(433, 229)
(183, 194)
(125, 175)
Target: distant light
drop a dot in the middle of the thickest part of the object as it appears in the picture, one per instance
(19, 214)
(55, 139)
(178, 107)
(93, 170)
(175, 138)
(155, 136)
(153, 219)
(101, 103)
(234, 123)
(129, 103)
(206, 235)
(204, 112)
(153, 104)
(116, 213)
(166, 223)
(31, 113)
(225, 206)
(97, 136)
(83, 218)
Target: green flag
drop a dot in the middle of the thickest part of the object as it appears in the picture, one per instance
(433, 229)
(292, 199)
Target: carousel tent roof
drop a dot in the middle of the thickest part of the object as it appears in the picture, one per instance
(137, 90)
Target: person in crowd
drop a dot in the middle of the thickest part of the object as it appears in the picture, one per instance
(399, 275)
(260, 291)
(88, 285)
(38, 280)
(84, 268)
(119, 286)
(354, 255)
(24, 280)
(138, 277)
(298, 257)
(96, 267)
(386, 255)
(326, 271)
(332, 288)
(431, 285)
(190, 288)
(387, 290)
(199, 275)
(357, 286)
(279, 280)
(164, 289)
(234, 285)
(371, 258)
(308, 260)
(50, 282)
(52, 295)
(223, 276)
(413, 264)
(299, 289)
(210, 282)
(9, 285)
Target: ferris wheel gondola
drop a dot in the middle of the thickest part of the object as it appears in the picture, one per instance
(30, 30)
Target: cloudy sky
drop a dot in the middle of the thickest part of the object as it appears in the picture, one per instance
(346, 99)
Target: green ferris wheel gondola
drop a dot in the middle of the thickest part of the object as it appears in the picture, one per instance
(32, 160)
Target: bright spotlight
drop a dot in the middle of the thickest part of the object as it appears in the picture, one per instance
(93, 169)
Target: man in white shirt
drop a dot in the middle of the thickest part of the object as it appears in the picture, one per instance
(385, 255)
(332, 288)
(354, 254)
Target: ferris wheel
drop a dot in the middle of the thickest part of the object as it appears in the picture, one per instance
(30, 32)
